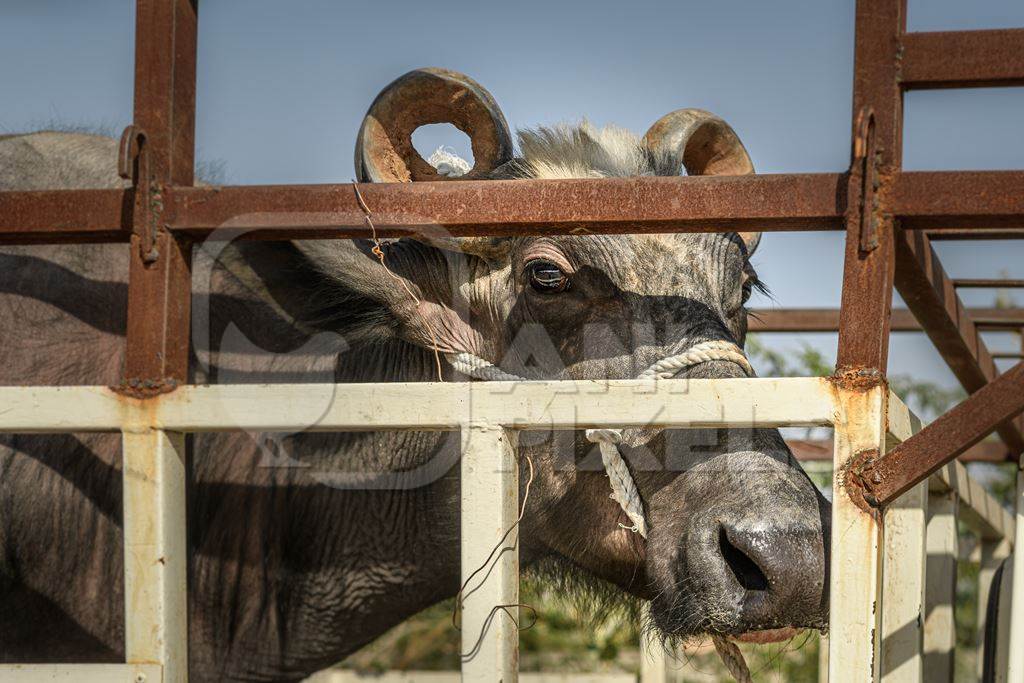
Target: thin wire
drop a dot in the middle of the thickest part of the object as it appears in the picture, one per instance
(379, 253)
(461, 595)
(487, 624)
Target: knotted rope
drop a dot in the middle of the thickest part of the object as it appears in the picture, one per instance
(624, 491)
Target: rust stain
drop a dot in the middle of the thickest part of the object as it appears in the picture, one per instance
(857, 378)
(145, 388)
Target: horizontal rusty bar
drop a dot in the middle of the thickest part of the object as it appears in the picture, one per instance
(963, 59)
(820, 450)
(1007, 354)
(929, 293)
(65, 216)
(516, 207)
(941, 200)
(992, 283)
(978, 233)
(903, 320)
(965, 200)
(887, 477)
(1000, 323)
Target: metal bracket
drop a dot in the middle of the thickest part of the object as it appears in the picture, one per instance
(133, 164)
(865, 180)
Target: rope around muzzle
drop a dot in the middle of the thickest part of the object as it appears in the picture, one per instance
(624, 491)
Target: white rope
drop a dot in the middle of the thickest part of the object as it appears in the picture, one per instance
(624, 491)
(475, 366)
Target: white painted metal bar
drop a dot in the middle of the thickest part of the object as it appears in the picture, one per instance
(1015, 667)
(80, 673)
(904, 562)
(156, 625)
(653, 662)
(979, 510)
(862, 421)
(795, 401)
(490, 495)
(823, 658)
(855, 626)
(903, 592)
(420, 676)
(902, 423)
(1001, 668)
(940, 588)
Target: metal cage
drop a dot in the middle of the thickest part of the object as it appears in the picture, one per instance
(898, 488)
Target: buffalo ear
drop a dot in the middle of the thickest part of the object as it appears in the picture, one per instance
(751, 239)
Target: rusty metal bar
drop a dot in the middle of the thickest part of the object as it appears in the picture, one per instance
(963, 59)
(877, 153)
(855, 621)
(980, 283)
(624, 205)
(65, 216)
(958, 234)
(903, 320)
(1000, 323)
(929, 293)
(820, 450)
(962, 200)
(157, 151)
(159, 272)
(948, 204)
(886, 477)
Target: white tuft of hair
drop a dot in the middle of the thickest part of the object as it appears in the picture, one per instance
(584, 151)
(448, 163)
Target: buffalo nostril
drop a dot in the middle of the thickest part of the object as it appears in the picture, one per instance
(747, 573)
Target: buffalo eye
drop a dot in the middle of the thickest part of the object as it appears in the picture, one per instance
(546, 277)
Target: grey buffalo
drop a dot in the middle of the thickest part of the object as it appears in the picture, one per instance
(306, 546)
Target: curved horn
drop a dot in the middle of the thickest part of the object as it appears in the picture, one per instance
(705, 145)
(384, 149)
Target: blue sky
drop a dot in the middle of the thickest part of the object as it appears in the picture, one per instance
(282, 88)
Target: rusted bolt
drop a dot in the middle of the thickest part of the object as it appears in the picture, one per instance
(859, 477)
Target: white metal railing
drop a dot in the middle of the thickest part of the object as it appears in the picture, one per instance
(866, 642)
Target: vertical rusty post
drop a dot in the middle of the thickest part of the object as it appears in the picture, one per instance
(159, 275)
(877, 153)
(159, 292)
(856, 581)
